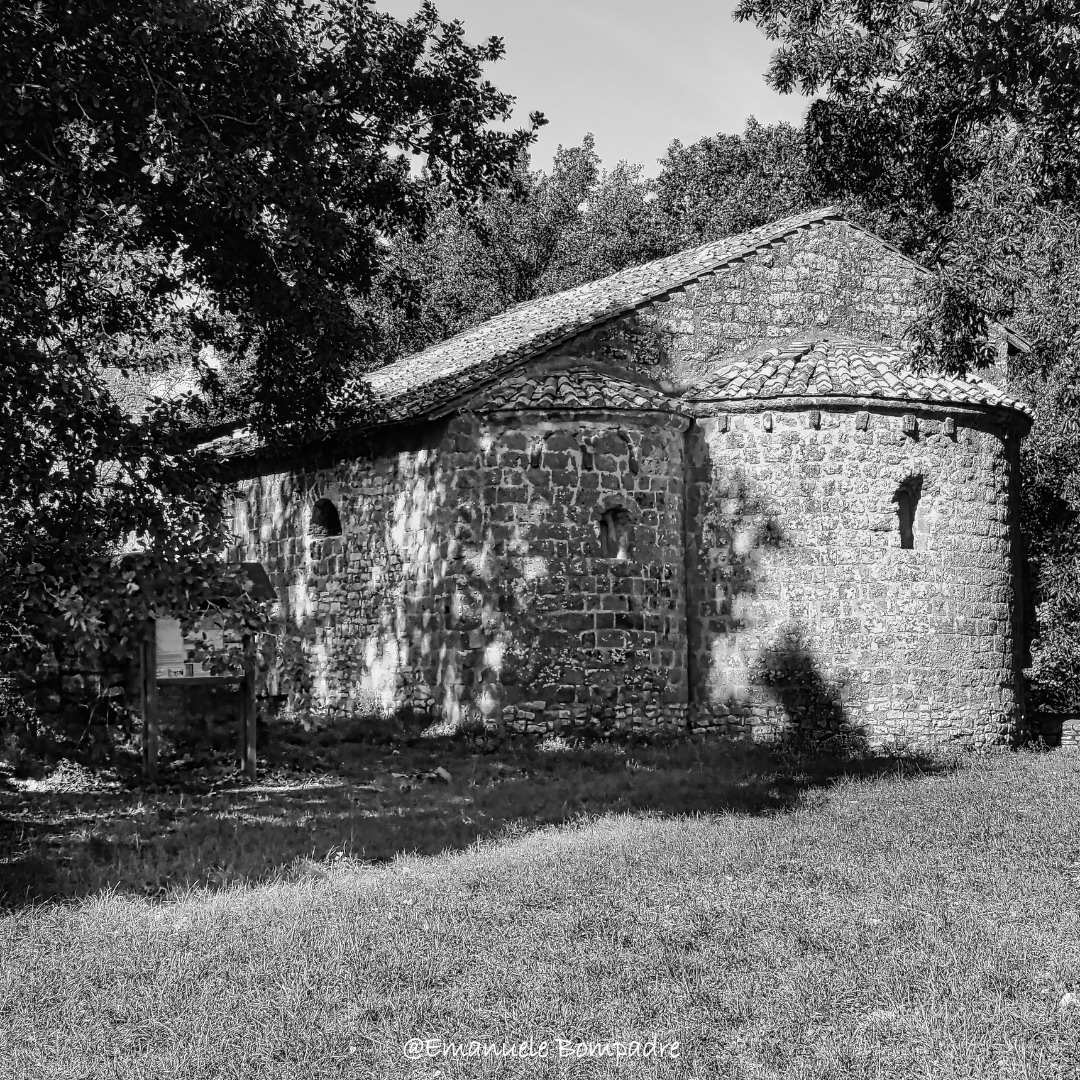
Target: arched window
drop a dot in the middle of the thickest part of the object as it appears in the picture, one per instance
(615, 527)
(907, 503)
(324, 520)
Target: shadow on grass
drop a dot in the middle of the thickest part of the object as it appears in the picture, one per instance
(208, 828)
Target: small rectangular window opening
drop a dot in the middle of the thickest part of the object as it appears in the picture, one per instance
(907, 518)
(907, 504)
(615, 534)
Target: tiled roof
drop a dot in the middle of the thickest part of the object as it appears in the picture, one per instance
(842, 368)
(828, 368)
(575, 389)
(441, 379)
(238, 443)
(411, 385)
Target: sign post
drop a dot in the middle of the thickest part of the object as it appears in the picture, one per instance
(248, 713)
(148, 702)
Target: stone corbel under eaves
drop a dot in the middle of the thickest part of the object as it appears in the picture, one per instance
(704, 407)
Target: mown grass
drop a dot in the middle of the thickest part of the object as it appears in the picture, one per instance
(900, 923)
(68, 837)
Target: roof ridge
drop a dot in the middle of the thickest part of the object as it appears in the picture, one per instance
(685, 266)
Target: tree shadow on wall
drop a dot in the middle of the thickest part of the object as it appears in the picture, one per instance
(811, 706)
(746, 529)
(783, 692)
(389, 612)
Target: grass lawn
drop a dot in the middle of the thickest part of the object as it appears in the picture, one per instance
(777, 917)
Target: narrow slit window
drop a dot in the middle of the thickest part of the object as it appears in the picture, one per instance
(615, 528)
(907, 519)
(325, 520)
(907, 504)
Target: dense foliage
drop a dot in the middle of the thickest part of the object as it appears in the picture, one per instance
(726, 184)
(910, 90)
(177, 174)
(1048, 310)
(918, 103)
(549, 231)
(541, 233)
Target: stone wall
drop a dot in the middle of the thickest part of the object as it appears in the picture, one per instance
(765, 588)
(830, 279)
(584, 636)
(807, 614)
(468, 579)
(363, 616)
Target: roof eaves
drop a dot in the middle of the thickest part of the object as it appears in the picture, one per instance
(696, 406)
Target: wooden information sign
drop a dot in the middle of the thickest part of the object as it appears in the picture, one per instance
(167, 656)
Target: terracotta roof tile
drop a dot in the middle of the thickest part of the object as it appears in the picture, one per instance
(842, 368)
(802, 369)
(574, 389)
(416, 383)
(437, 380)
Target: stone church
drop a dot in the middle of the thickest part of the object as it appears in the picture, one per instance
(705, 493)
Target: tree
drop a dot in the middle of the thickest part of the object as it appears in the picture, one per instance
(548, 231)
(1046, 308)
(725, 184)
(909, 90)
(953, 127)
(917, 101)
(177, 174)
(541, 233)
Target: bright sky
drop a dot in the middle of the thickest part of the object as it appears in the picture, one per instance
(636, 73)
